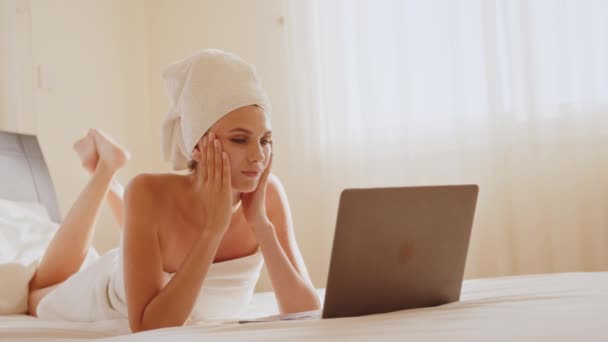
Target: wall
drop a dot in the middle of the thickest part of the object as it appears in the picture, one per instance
(92, 56)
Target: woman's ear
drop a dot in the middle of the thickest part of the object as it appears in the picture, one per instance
(196, 151)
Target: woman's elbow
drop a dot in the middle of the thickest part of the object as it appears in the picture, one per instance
(139, 326)
(315, 302)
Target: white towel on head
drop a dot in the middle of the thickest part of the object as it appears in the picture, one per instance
(202, 89)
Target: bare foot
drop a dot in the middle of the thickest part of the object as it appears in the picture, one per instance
(87, 151)
(111, 154)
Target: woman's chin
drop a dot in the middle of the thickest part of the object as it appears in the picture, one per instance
(245, 186)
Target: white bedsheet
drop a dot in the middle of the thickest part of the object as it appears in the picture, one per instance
(554, 307)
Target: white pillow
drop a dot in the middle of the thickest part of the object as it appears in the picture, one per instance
(34, 208)
(21, 207)
(25, 232)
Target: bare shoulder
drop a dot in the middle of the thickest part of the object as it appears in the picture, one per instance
(277, 204)
(144, 185)
(274, 189)
(139, 189)
(147, 193)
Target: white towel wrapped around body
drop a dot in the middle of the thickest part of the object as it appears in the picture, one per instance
(97, 292)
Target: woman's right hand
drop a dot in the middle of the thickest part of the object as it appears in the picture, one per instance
(214, 186)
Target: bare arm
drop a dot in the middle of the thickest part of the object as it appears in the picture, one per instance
(290, 280)
(150, 305)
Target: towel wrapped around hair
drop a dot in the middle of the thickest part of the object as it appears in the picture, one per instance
(202, 89)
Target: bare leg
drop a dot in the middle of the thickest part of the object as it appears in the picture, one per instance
(87, 150)
(69, 247)
(115, 201)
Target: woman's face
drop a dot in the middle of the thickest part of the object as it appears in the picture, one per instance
(246, 136)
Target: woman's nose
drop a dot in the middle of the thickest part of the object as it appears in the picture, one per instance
(256, 153)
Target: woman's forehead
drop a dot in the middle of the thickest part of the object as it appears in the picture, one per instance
(249, 118)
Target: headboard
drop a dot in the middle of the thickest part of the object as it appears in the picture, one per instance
(24, 175)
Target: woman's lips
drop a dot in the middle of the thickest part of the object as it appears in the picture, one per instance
(251, 174)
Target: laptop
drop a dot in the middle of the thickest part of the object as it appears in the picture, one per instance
(394, 249)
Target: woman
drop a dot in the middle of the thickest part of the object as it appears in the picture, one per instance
(193, 244)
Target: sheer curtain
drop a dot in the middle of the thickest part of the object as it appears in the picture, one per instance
(511, 95)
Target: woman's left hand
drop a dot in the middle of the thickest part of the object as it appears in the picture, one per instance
(254, 203)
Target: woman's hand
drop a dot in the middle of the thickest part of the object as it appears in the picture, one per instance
(215, 186)
(254, 203)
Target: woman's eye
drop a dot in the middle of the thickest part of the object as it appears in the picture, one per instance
(243, 141)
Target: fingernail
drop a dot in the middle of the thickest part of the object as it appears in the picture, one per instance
(205, 141)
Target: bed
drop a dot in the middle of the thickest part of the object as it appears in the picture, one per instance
(547, 307)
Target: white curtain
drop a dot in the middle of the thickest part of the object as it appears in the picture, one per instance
(511, 95)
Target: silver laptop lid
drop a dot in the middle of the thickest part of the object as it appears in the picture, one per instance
(399, 248)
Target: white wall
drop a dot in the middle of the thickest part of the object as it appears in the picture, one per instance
(94, 54)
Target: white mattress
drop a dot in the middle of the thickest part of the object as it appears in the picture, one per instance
(556, 307)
